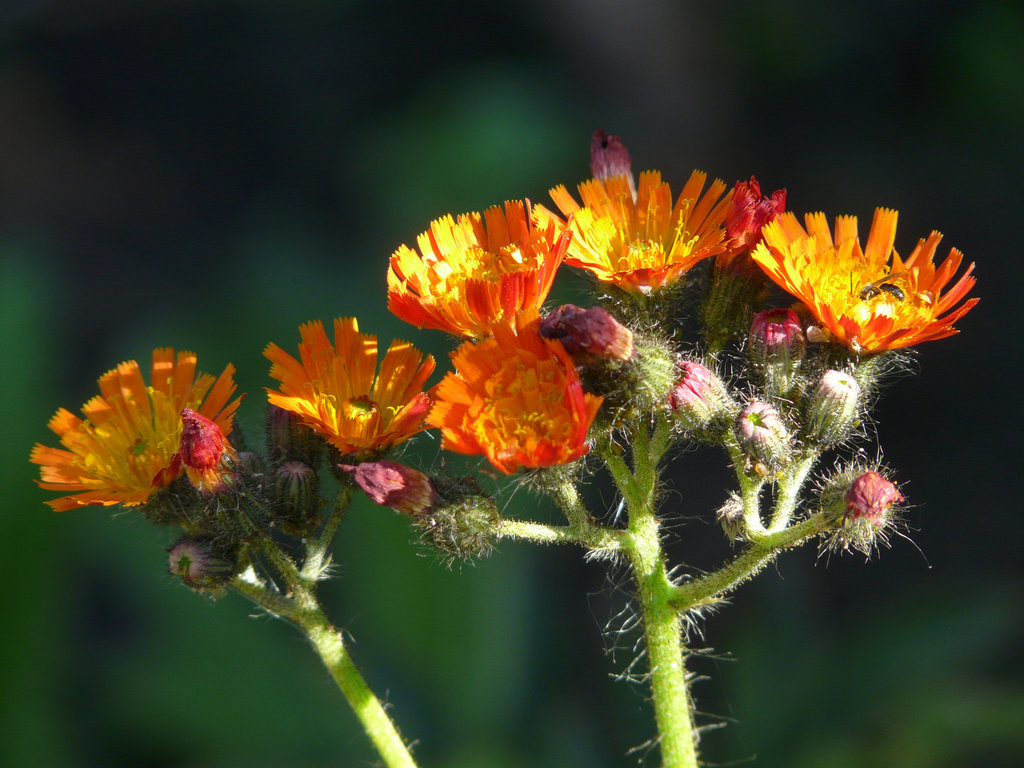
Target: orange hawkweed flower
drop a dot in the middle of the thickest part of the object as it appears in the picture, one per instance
(515, 398)
(475, 271)
(870, 300)
(645, 243)
(125, 448)
(337, 391)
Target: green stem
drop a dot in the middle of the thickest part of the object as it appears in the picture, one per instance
(790, 484)
(304, 611)
(565, 493)
(330, 646)
(663, 631)
(594, 537)
(750, 487)
(317, 556)
(761, 551)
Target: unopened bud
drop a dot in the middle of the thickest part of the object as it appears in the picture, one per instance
(200, 563)
(393, 485)
(608, 157)
(763, 435)
(289, 439)
(749, 212)
(587, 334)
(870, 498)
(297, 493)
(832, 407)
(463, 521)
(209, 459)
(699, 398)
(777, 347)
(730, 517)
(857, 503)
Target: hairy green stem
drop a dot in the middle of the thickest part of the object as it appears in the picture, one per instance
(379, 728)
(595, 537)
(673, 708)
(791, 483)
(317, 556)
(750, 487)
(760, 552)
(303, 610)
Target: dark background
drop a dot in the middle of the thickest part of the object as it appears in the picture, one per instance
(208, 175)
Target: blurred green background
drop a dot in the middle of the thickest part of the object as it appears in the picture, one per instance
(208, 175)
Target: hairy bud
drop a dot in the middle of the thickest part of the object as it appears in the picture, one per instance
(288, 439)
(297, 493)
(462, 522)
(763, 435)
(777, 345)
(201, 564)
(730, 517)
(699, 399)
(858, 504)
(832, 407)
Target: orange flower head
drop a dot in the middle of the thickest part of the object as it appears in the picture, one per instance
(125, 448)
(475, 271)
(515, 398)
(645, 242)
(869, 299)
(337, 391)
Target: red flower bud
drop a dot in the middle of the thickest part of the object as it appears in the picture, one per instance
(587, 333)
(393, 485)
(870, 498)
(777, 330)
(608, 157)
(698, 396)
(748, 212)
(777, 347)
(209, 458)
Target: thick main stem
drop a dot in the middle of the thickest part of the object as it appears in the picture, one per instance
(663, 632)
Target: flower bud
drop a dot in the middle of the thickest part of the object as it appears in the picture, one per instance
(857, 503)
(730, 517)
(869, 499)
(201, 564)
(463, 520)
(393, 485)
(588, 334)
(748, 212)
(608, 157)
(777, 345)
(763, 435)
(699, 398)
(297, 493)
(209, 459)
(832, 407)
(289, 439)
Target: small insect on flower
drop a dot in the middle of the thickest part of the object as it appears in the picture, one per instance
(876, 288)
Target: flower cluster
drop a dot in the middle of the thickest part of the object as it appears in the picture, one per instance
(542, 391)
(527, 384)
